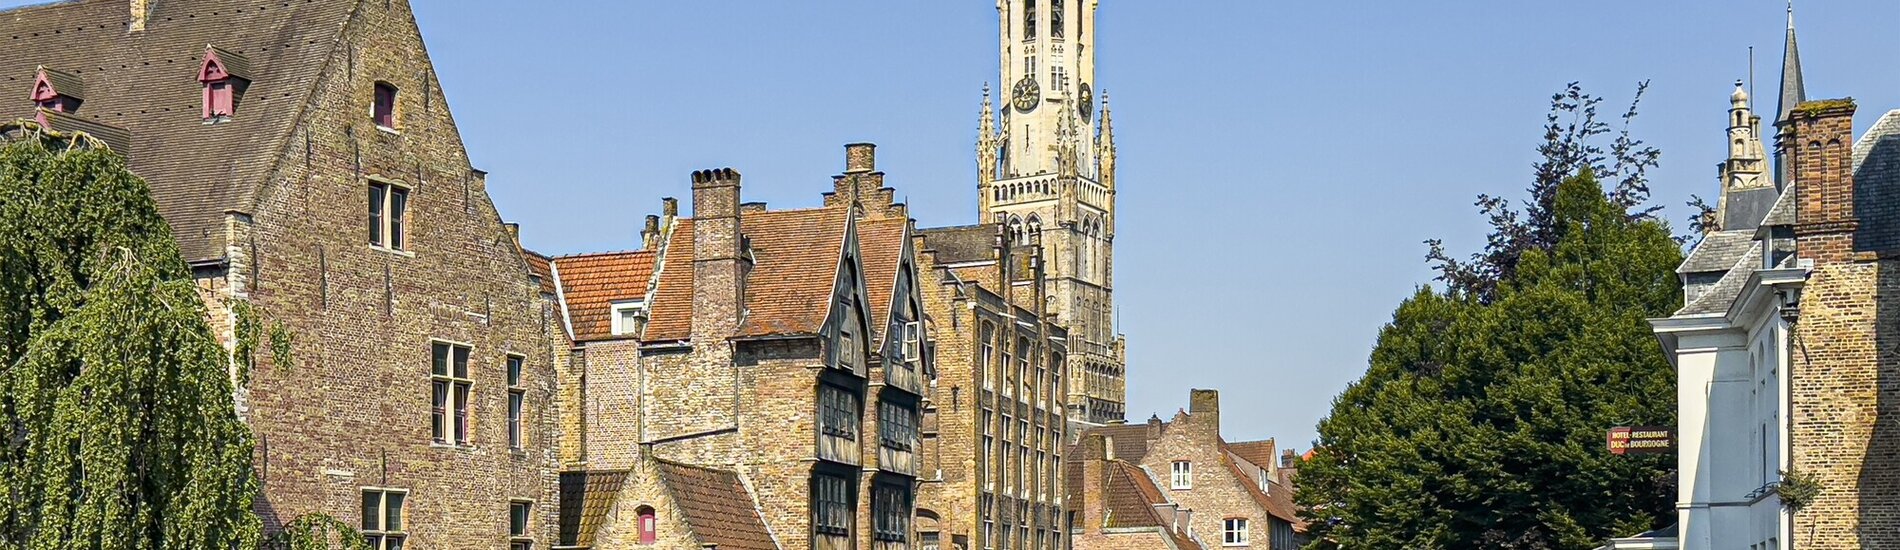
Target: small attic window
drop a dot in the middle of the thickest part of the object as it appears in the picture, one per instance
(383, 110)
(57, 91)
(224, 75)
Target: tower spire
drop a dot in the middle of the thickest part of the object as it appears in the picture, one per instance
(986, 144)
(1105, 146)
(1793, 90)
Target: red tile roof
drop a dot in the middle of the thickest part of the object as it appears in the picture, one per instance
(1260, 453)
(586, 498)
(1279, 503)
(591, 283)
(881, 244)
(1129, 499)
(716, 506)
(788, 291)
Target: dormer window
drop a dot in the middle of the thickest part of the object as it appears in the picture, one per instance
(383, 109)
(57, 91)
(629, 317)
(224, 75)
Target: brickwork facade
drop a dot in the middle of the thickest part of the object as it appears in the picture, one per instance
(1234, 502)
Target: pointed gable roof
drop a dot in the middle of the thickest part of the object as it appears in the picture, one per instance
(1793, 90)
(717, 506)
(795, 257)
(589, 285)
(145, 83)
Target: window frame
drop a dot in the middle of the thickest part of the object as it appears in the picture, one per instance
(1235, 531)
(380, 537)
(617, 313)
(891, 508)
(388, 215)
(836, 405)
(897, 426)
(833, 506)
(449, 412)
(1181, 475)
(649, 524)
(516, 364)
(384, 108)
(523, 538)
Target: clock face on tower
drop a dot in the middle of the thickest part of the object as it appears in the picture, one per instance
(1086, 107)
(1026, 95)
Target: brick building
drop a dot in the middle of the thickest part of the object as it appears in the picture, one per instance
(751, 378)
(1783, 346)
(1223, 494)
(996, 420)
(304, 155)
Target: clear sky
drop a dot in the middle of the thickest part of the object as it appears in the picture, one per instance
(1280, 161)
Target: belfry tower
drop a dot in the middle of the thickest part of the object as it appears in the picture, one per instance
(1046, 169)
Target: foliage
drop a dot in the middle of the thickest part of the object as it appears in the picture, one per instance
(1797, 489)
(115, 393)
(1572, 133)
(317, 532)
(1480, 423)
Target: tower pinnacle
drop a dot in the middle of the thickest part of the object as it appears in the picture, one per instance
(1793, 91)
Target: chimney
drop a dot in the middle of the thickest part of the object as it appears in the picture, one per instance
(860, 158)
(752, 207)
(1822, 136)
(650, 235)
(141, 10)
(1205, 405)
(1094, 470)
(718, 288)
(1154, 427)
(1286, 458)
(514, 233)
(669, 207)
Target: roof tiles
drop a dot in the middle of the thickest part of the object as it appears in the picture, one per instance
(716, 506)
(592, 283)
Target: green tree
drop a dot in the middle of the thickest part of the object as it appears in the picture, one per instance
(116, 394)
(1480, 422)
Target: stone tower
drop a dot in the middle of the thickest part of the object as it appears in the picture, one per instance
(1046, 159)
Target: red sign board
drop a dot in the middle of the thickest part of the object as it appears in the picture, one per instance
(1642, 440)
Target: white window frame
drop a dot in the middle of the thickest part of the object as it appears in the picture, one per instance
(393, 229)
(617, 313)
(1234, 532)
(913, 341)
(382, 535)
(1181, 475)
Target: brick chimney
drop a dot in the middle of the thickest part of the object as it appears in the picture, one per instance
(718, 282)
(1154, 427)
(862, 183)
(1204, 406)
(1822, 136)
(1094, 469)
(141, 10)
(860, 158)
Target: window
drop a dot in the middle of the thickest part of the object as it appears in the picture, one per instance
(388, 204)
(649, 525)
(986, 338)
(838, 412)
(831, 505)
(383, 109)
(1233, 532)
(897, 424)
(518, 512)
(1024, 352)
(1009, 381)
(449, 383)
(847, 348)
(913, 339)
(1055, 18)
(1183, 475)
(517, 396)
(1029, 19)
(629, 317)
(890, 513)
(383, 519)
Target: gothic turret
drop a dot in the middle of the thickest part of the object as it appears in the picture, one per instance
(1747, 190)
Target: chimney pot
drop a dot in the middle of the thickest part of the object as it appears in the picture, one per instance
(141, 10)
(650, 234)
(670, 207)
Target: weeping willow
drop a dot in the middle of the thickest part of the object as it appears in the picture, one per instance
(120, 430)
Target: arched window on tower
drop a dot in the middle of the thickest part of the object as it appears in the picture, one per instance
(1055, 18)
(1029, 19)
(1034, 225)
(1015, 229)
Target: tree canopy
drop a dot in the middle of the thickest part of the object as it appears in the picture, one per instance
(1480, 422)
(115, 392)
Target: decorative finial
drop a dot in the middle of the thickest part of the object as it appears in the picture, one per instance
(1790, 14)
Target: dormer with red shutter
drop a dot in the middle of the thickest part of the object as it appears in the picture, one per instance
(225, 74)
(58, 91)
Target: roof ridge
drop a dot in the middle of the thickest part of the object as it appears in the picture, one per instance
(595, 254)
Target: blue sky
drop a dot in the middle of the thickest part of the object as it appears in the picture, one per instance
(1280, 161)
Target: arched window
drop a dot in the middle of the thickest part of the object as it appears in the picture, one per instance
(1055, 18)
(649, 525)
(1034, 224)
(1016, 229)
(1029, 19)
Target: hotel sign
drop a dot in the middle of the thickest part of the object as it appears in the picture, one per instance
(1624, 440)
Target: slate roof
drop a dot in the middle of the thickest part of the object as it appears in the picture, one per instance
(716, 506)
(1718, 251)
(1717, 298)
(146, 83)
(963, 243)
(788, 291)
(591, 283)
(1877, 185)
(586, 498)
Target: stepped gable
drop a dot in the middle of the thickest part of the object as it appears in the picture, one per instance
(145, 83)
